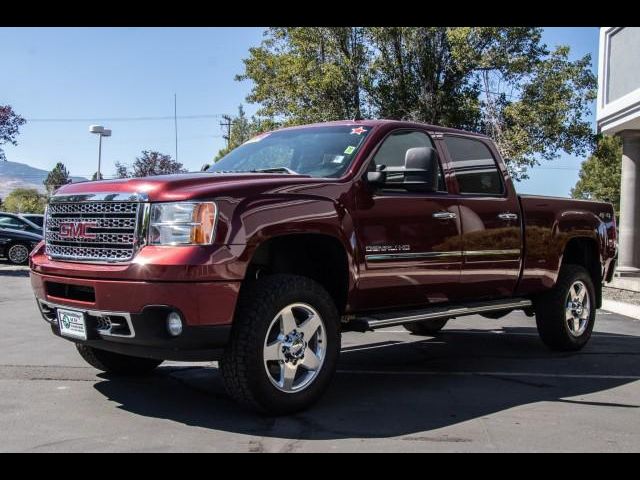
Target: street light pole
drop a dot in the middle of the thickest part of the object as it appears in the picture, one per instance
(101, 132)
(98, 177)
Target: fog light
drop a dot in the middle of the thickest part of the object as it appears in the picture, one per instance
(174, 324)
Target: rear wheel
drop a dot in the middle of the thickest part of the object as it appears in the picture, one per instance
(18, 253)
(284, 345)
(426, 327)
(116, 363)
(565, 315)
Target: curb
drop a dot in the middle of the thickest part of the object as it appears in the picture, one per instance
(621, 308)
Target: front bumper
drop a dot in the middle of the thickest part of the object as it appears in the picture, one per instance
(137, 311)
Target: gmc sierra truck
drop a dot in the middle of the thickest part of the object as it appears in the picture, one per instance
(263, 259)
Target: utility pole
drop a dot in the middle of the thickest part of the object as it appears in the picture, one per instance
(227, 123)
(175, 121)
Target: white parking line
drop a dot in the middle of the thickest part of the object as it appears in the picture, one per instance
(492, 374)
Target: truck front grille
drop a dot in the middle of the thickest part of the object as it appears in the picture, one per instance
(98, 231)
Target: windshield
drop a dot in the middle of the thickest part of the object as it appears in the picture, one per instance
(314, 151)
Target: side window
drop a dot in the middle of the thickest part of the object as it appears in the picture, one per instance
(10, 222)
(474, 166)
(392, 154)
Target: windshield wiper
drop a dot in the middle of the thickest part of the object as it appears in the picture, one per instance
(275, 170)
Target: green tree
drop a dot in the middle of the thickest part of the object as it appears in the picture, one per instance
(94, 177)
(243, 129)
(56, 178)
(25, 200)
(148, 164)
(599, 177)
(501, 81)
(10, 123)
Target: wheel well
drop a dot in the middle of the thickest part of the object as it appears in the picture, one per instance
(316, 256)
(584, 252)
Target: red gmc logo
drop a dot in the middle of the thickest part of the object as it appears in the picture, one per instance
(77, 230)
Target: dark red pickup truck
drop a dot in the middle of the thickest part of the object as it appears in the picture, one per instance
(303, 233)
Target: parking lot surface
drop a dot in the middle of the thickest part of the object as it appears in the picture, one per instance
(483, 385)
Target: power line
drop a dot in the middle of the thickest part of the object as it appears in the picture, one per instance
(126, 119)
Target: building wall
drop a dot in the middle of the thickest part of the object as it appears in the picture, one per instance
(618, 79)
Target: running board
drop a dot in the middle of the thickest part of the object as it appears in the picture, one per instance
(371, 321)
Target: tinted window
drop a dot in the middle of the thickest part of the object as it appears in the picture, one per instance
(476, 170)
(392, 154)
(37, 219)
(10, 222)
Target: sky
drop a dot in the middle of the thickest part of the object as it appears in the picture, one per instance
(64, 79)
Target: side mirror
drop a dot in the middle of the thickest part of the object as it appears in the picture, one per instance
(205, 167)
(378, 178)
(421, 169)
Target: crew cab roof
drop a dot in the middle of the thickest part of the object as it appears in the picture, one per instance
(396, 123)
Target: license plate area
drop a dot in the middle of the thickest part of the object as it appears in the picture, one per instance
(72, 323)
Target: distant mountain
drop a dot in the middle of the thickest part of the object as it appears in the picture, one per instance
(20, 175)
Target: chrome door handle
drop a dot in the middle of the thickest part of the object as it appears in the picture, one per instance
(508, 216)
(445, 215)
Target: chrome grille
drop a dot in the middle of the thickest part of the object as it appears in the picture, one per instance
(98, 231)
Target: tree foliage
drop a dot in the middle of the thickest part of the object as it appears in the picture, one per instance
(504, 82)
(94, 177)
(148, 164)
(56, 178)
(10, 123)
(599, 177)
(25, 200)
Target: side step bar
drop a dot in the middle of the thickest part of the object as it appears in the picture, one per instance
(372, 321)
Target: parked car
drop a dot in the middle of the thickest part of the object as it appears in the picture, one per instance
(306, 232)
(34, 218)
(17, 222)
(15, 245)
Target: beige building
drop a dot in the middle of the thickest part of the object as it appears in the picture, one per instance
(618, 113)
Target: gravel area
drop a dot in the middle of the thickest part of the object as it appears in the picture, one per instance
(621, 295)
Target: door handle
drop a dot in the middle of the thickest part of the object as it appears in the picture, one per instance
(508, 216)
(445, 215)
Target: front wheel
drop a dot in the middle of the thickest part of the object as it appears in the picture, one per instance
(18, 254)
(565, 315)
(116, 363)
(284, 345)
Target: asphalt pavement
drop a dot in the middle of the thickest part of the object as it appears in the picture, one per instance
(482, 385)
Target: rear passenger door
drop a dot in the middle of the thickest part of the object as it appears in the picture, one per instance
(490, 219)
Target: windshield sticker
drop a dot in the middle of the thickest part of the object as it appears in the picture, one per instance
(349, 150)
(358, 131)
(257, 138)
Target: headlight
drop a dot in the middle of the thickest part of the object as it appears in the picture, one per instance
(183, 223)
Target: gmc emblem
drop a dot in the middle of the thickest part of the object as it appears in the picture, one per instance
(77, 230)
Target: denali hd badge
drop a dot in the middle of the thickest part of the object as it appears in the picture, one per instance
(387, 248)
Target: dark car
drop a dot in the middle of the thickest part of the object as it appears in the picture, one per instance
(16, 245)
(34, 218)
(16, 222)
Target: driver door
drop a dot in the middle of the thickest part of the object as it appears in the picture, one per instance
(410, 239)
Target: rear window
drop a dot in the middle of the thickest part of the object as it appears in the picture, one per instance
(474, 166)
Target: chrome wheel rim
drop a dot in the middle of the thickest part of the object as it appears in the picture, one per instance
(294, 348)
(18, 254)
(578, 308)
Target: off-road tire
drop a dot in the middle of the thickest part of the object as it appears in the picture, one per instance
(426, 328)
(116, 363)
(242, 366)
(550, 311)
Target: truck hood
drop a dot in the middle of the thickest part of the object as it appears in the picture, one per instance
(164, 188)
